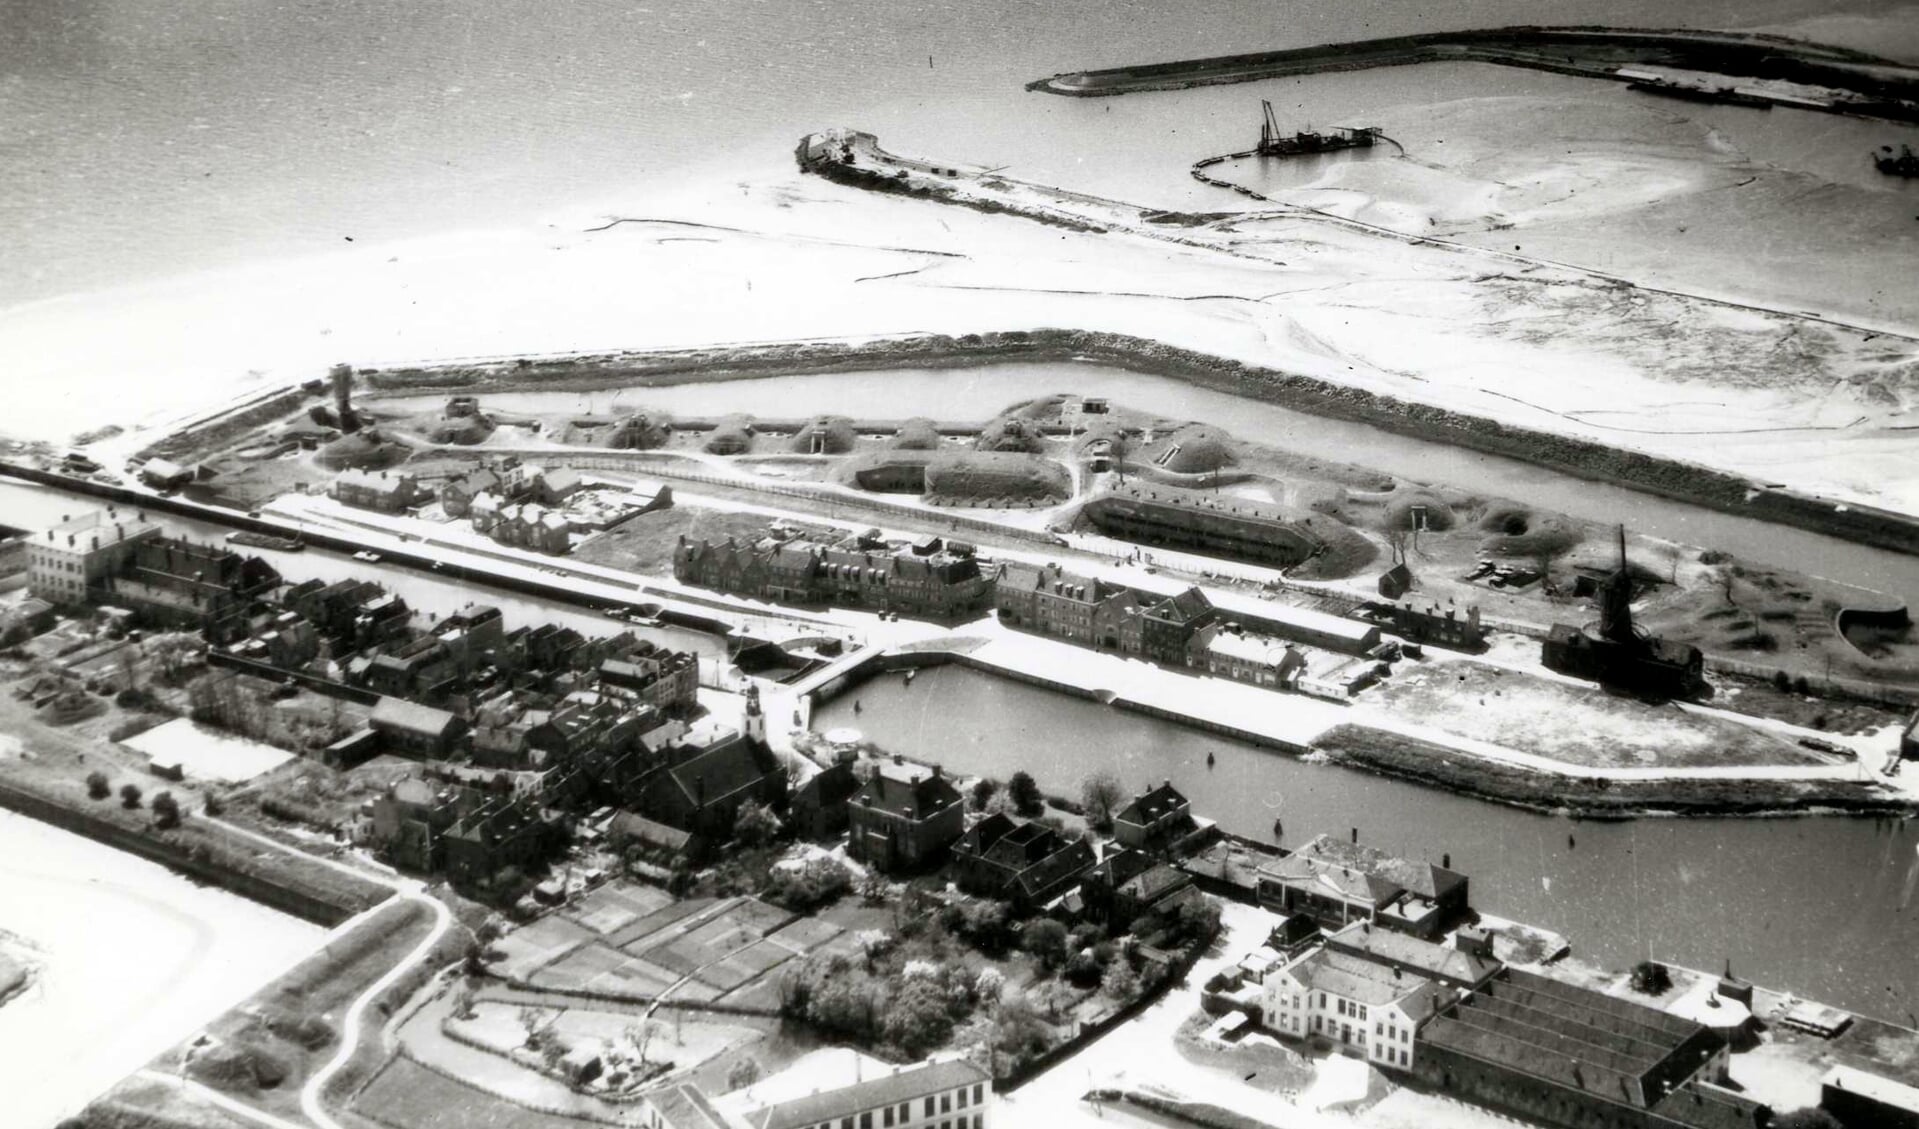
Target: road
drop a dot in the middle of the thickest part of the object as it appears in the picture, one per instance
(350, 1027)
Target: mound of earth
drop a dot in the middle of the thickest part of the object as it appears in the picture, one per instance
(1011, 434)
(733, 436)
(1345, 552)
(1407, 507)
(824, 435)
(15, 975)
(892, 471)
(1318, 497)
(1522, 533)
(916, 435)
(975, 478)
(466, 431)
(1111, 434)
(1192, 449)
(238, 1067)
(368, 449)
(1045, 407)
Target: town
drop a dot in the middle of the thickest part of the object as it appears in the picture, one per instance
(667, 863)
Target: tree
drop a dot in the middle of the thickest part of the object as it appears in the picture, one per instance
(1120, 982)
(129, 795)
(166, 811)
(1101, 795)
(174, 652)
(98, 787)
(983, 790)
(640, 1035)
(917, 1019)
(1023, 790)
(756, 824)
(743, 1073)
(1199, 919)
(1046, 940)
(214, 805)
(1651, 978)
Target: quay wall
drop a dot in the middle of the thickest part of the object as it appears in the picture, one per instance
(1579, 457)
(302, 903)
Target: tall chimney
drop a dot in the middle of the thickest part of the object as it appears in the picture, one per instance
(341, 377)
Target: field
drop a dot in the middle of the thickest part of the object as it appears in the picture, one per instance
(1579, 725)
(406, 1094)
(629, 941)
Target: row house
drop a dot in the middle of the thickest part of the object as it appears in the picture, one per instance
(1226, 651)
(209, 587)
(531, 525)
(382, 490)
(668, 680)
(1054, 602)
(931, 579)
(1127, 884)
(840, 1088)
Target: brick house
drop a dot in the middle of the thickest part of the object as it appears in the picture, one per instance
(904, 817)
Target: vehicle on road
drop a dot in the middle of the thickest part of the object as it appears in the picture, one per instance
(367, 555)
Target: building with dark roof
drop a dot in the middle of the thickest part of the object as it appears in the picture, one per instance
(932, 580)
(819, 806)
(1126, 885)
(904, 817)
(1339, 883)
(1196, 522)
(1154, 819)
(1867, 1101)
(175, 581)
(1568, 1056)
(1025, 863)
(416, 730)
(704, 787)
(1620, 654)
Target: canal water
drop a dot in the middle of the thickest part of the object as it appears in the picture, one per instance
(974, 393)
(1821, 906)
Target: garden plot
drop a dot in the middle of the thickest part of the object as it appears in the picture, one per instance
(617, 906)
(657, 922)
(532, 948)
(207, 754)
(408, 1094)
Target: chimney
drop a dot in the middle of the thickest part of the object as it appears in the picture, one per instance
(1355, 834)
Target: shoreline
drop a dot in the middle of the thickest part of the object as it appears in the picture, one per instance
(1361, 748)
(1555, 49)
(1658, 475)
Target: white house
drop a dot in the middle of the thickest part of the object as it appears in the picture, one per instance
(1352, 1004)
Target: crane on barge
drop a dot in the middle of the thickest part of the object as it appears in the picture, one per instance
(1273, 143)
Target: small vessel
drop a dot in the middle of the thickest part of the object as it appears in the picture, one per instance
(1903, 163)
(254, 540)
(1209, 760)
(909, 676)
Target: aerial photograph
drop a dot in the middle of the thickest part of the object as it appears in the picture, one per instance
(897, 564)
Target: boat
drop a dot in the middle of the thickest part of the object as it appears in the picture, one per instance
(1904, 163)
(252, 540)
(1272, 143)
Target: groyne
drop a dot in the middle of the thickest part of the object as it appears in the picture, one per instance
(1571, 455)
(1864, 85)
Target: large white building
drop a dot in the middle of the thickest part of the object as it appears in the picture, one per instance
(840, 1088)
(1354, 1005)
(78, 555)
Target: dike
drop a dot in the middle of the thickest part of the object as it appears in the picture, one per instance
(1578, 457)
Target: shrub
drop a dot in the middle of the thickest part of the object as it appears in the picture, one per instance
(1651, 978)
(129, 796)
(743, 1073)
(917, 1018)
(98, 786)
(805, 888)
(1120, 981)
(214, 805)
(166, 811)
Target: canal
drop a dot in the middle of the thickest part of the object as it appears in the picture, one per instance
(975, 393)
(1821, 906)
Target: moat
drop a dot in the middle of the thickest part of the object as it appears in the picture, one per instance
(1777, 896)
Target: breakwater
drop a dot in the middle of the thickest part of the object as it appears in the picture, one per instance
(1865, 85)
(1570, 455)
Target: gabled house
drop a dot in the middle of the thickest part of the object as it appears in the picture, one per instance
(1154, 820)
(1339, 883)
(703, 790)
(904, 817)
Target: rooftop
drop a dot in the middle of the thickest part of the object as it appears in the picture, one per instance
(827, 1085)
(1422, 956)
(1153, 805)
(1356, 978)
(1882, 1090)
